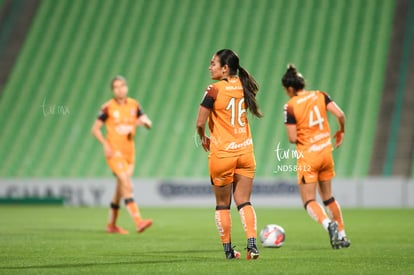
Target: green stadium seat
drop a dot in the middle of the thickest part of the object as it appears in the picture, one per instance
(163, 48)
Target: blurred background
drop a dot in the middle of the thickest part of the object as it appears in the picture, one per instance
(57, 59)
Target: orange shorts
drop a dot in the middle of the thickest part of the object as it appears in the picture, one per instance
(315, 167)
(222, 170)
(121, 162)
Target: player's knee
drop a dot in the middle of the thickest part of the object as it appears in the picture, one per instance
(130, 172)
(125, 182)
(126, 191)
(122, 177)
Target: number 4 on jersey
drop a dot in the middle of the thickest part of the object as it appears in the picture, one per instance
(319, 119)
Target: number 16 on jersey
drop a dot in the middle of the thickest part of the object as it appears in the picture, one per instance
(236, 108)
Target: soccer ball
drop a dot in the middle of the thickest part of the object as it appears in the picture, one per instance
(272, 235)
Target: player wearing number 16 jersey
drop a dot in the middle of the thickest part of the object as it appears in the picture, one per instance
(307, 126)
(231, 160)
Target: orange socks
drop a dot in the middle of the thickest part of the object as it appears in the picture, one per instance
(133, 210)
(248, 219)
(223, 223)
(334, 210)
(113, 214)
(316, 211)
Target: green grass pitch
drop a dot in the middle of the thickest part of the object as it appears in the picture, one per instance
(66, 240)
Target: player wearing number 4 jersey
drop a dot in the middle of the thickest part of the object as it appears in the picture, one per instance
(121, 115)
(231, 160)
(307, 126)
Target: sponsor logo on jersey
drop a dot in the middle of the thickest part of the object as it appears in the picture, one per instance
(233, 145)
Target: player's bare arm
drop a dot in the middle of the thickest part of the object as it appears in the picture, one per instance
(291, 133)
(334, 109)
(145, 121)
(96, 131)
(202, 117)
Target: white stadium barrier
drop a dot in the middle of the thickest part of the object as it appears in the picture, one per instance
(369, 192)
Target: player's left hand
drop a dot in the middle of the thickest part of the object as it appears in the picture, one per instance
(339, 137)
(144, 121)
(205, 142)
(148, 124)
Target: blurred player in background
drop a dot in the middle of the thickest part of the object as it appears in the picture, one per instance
(307, 126)
(121, 115)
(232, 164)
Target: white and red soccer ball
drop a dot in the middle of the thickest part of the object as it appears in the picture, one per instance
(272, 235)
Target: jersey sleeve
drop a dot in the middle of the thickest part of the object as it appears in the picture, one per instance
(210, 96)
(328, 99)
(289, 114)
(103, 113)
(140, 111)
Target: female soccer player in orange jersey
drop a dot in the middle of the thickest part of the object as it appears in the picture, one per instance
(231, 160)
(307, 126)
(121, 115)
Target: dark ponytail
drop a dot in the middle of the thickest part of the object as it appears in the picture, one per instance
(250, 86)
(250, 89)
(292, 78)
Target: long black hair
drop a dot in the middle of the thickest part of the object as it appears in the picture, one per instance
(250, 86)
(292, 78)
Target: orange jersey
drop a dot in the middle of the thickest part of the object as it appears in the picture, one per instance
(121, 123)
(308, 112)
(229, 128)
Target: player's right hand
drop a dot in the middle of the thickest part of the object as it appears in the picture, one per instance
(339, 137)
(107, 151)
(205, 142)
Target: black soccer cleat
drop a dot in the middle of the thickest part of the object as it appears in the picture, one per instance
(333, 235)
(252, 253)
(232, 254)
(344, 242)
